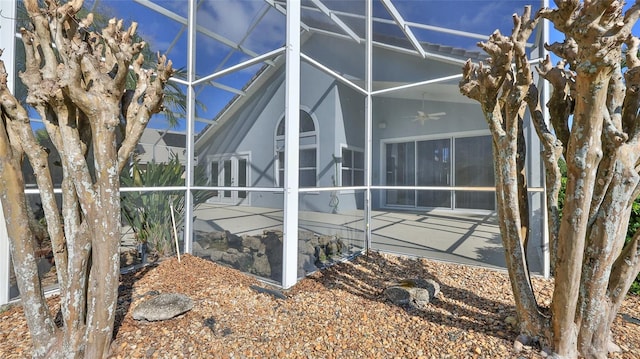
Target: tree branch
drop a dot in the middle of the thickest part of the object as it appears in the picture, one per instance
(501, 89)
(551, 154)
(631, 104)
(41, 325)
(561, 102)
(147, 100)
(623, 272)
(41, 24)
(19, 121)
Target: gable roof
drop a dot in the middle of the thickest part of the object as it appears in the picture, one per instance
(159, 145)
(436, 52)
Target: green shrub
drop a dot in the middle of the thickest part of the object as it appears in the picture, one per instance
(634, 225)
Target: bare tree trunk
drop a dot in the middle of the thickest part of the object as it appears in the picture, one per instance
(623, 273)
(553, 148)
(531, 322)
(604, 242)
(76, 81)
(592, 269)
(584, 152)
(21, 247)
(105, 269)
(14, 206)
(502, 92)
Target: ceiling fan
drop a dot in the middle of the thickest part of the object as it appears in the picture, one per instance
(423, 116)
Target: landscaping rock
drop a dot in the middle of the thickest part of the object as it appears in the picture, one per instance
(233, 240)
(236, 259)
(197, 248)
(273, 248)
(254, 243)
(413, 292)
(261, 265)
(306, 264)
(305, 235)
(333, 249)
(262, 254)
(162, 307)
(210, 239)
(214, 254)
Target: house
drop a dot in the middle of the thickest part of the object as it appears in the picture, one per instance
(160, 146)
(390, 155)
(429, 141)
(428, 136)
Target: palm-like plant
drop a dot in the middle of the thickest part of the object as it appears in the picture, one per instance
(149, 212)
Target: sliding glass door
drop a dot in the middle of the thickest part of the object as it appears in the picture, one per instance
(434, 169)
(400, 168)
(444, 162)
(474, 168)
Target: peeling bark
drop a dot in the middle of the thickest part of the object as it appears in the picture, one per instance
(593, 268)
(21, 247)
(551, 154)
(75, 79)
(501, 93)
(583, 156)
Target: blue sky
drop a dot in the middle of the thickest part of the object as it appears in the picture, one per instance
(230, 19)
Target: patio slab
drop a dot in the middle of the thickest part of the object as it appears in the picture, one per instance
(466, 238)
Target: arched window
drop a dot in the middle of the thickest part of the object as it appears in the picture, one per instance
(308, 151)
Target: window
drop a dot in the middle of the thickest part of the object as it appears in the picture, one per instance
(352, 167)
(307, 174)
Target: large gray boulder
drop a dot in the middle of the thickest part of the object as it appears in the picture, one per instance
(162, 307)
(414, 292)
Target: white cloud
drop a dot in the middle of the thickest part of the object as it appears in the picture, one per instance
(232, 19)
(491, 14)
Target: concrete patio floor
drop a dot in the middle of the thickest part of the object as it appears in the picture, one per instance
(452, 236)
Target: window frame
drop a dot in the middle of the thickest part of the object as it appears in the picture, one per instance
(353, 168)
(279, 150)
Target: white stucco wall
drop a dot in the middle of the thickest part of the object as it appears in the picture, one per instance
(339, 113)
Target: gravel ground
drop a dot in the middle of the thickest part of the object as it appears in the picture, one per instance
(339, 312)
